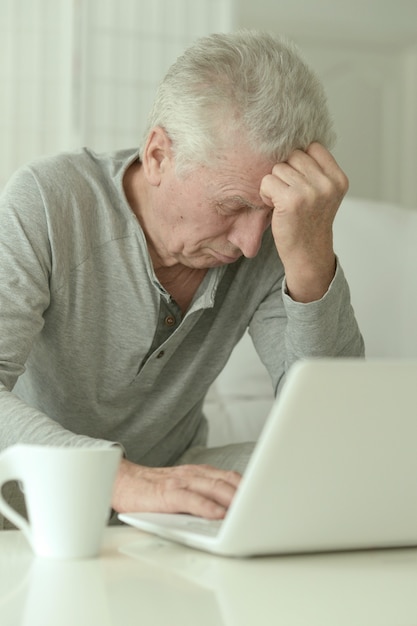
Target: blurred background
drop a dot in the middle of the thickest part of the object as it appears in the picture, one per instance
(83, 72)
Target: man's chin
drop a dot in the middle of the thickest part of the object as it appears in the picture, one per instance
(208, 261)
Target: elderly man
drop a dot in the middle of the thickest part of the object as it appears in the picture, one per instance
(126, 279)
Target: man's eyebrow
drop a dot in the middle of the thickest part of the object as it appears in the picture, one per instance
(243, 202)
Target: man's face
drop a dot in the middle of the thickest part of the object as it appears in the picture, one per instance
(211, 217)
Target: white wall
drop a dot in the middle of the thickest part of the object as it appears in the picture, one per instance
(78, 72)
(365, 51)
(83, 72)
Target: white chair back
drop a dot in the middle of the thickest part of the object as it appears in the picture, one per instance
(377, 247)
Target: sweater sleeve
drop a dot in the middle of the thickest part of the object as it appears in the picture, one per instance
(325, 328)
(25, 265)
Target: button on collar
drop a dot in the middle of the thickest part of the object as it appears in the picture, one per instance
(170, 320)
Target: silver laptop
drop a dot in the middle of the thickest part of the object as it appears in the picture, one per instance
(335, 468)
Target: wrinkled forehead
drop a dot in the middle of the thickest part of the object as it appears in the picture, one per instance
(237, 176)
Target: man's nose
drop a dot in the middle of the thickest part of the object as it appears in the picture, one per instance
(247, 231)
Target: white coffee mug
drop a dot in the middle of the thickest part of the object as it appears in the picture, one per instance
(67, 493)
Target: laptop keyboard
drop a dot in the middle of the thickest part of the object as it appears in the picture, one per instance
(204, 526)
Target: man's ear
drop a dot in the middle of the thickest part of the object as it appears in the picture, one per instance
(157, 155)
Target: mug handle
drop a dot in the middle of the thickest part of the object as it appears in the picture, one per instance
(7, 474)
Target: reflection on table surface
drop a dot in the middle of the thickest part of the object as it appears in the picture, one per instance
(139, 579)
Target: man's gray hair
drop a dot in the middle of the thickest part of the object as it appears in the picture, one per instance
(247, 84)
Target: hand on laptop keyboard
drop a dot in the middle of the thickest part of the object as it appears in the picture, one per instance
(200, 490)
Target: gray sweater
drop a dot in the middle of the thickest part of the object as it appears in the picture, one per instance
(92, 347)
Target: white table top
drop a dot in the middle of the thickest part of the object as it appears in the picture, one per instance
(142, 580)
